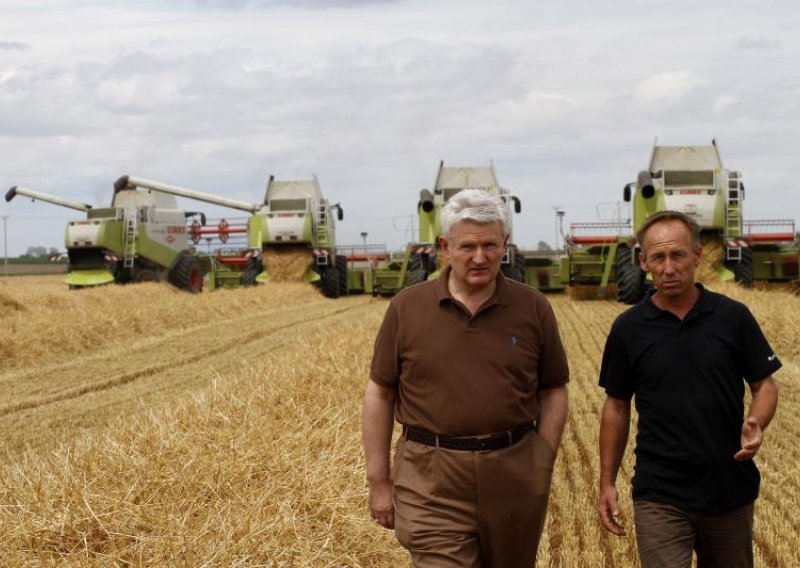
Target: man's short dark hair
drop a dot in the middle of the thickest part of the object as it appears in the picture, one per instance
(665, 216)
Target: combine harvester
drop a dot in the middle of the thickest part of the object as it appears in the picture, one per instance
(294, 218)
(690, 179)
(141, 237)
(420, 260)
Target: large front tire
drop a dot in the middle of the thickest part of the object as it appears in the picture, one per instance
(743, 269)
(186, 274)
(330, 282)
(252, 269)
(341, 270)
(630, 277)
(515, 270)
(417, 270)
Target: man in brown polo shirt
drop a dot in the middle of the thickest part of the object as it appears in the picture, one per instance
(472, 366)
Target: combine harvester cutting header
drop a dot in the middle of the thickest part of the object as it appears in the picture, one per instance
(690, 179)
(294, 217)
(141, 237)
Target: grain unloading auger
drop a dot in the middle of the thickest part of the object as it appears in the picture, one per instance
(294, 217)
(141, 237)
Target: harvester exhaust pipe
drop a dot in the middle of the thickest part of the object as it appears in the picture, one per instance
(644, 183)
(426, 200)
(68, 203)
(126, 182)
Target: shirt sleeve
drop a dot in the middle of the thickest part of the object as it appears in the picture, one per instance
(758, 360)
(615, 369)
(553, 367)
(386, 367)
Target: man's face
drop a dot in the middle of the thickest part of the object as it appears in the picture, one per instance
(475, 252)
(670, 257)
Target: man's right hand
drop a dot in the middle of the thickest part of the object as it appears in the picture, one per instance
(380, 502)
(609, 511)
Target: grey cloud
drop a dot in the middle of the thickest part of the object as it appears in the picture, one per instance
(314, 4)
(6, 45)
(758, 42)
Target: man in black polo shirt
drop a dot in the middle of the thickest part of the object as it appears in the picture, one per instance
(683, 353)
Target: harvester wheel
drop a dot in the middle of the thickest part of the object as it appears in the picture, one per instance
(146, 275)
(330, 282)
(416, 269)
(341, 270)
(186, 274)
(251, 270)
(515, 270)
(630, 277)
(743, 269)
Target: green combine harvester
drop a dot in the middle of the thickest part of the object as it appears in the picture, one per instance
(141, 237)
(690, 179)
(392, 272)
(294, 216)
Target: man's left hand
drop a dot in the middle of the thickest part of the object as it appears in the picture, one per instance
(751, 440)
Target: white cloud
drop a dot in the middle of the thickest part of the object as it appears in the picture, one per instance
(723, 103)
(665, 89)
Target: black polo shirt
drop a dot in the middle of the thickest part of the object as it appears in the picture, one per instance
(686, 376)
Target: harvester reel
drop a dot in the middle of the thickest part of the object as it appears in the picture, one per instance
(195, 231)
(186, 274)
(630, 277)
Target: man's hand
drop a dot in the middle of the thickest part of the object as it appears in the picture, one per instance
(752, 436)
(609, 511)
(380, 503)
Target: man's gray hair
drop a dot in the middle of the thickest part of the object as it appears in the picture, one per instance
(474, 205)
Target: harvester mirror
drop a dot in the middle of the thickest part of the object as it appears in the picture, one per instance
(426, 200)
(517, 204)
(741, 187)
(644, 183)
(626, 192)
(339, 212)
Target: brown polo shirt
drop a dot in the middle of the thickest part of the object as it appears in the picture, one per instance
(461, 374)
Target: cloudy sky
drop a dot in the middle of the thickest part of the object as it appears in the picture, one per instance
(564, 96)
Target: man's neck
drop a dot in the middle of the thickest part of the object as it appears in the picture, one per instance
(677, 305)
(472, 298)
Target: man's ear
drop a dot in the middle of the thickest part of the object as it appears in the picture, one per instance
(443, 244)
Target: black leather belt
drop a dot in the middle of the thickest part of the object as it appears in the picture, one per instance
(494, 441)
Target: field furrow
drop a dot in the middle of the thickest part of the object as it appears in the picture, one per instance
(146, 427)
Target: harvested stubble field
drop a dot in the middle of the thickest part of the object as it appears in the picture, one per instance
(144, 426)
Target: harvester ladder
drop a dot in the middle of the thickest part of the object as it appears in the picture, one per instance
(322, 225)
(733, 214)
(130, 223)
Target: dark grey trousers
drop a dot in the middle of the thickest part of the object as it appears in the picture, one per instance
(667, 536)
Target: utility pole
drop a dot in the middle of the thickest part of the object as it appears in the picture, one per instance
(5, 245)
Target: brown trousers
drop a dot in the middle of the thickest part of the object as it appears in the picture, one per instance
(667, 536)
(472, 509)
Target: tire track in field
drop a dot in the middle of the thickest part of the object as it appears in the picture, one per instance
(186, 360)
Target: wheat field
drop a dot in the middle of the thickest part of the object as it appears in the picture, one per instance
(141, 426)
